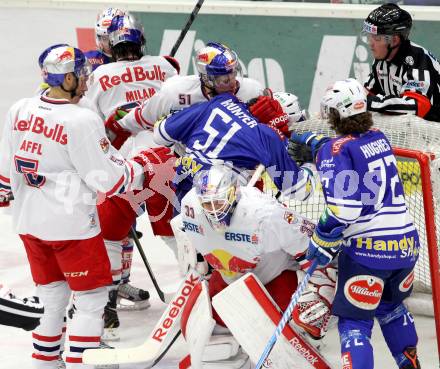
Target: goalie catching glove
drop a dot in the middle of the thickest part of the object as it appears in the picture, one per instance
(303, 148)
(115, 132)
(313, 311)
(269, 111)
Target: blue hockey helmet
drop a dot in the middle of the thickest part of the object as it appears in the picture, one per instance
(214, 60)
(126, 28)
(59, 59)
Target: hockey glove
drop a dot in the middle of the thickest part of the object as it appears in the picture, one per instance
(115, 132)
(269, 111)
(5, 199)
(299, 152)
(310, 139)
(325, 246)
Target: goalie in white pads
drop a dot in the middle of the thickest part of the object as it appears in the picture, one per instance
(238, 229)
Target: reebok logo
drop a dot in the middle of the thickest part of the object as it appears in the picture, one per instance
(174, 309)
(303, 351)
(283, 118)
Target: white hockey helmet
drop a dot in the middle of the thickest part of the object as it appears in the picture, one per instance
(216, 189)
(59, 59)
(290, 104)
(348, 97)
(103, 21)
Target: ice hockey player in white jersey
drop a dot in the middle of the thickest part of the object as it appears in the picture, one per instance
(102, 55)
(21, 313)
(219, 71)
(239, 229)
(55, 158)
(120, 86)
(133, 77)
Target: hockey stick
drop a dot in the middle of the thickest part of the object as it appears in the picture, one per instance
(286, 315)
(165, 297)
(161, 338)
(185, 29)
(256, 176)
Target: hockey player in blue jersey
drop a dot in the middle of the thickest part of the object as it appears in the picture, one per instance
(223, 130)
(367, 223)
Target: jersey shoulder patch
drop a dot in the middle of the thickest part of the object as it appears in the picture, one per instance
(339, 143)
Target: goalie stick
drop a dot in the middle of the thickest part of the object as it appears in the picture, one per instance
(185, 29)
(161, 338)
(287, 315)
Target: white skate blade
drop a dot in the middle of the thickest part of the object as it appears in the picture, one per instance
(111, 334)
(127, 305)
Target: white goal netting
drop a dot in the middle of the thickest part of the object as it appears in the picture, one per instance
(410, 133)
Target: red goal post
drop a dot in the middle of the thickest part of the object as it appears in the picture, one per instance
(416, 145)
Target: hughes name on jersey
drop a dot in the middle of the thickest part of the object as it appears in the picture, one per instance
(177, 93)
(410, 83)
(223, 129)
(363, 193)
(126, 84)
(262, 236)
(56, 153)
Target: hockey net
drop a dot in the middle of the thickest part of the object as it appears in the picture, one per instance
(416, 145)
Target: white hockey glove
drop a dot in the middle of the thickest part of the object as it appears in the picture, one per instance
(187, 256)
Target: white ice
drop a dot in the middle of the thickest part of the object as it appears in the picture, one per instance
(16, 344)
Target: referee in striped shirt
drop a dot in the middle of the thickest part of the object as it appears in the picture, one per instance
(405, 77)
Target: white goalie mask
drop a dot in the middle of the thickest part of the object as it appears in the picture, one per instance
(290, 104)
(217, 191)
(348, 97)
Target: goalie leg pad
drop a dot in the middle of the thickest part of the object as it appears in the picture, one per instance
(356, 349)
(398, 329)
(252, 316)
(197, 323)
(207, 350)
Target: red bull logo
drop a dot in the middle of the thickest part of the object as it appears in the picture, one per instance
(66, 55)
(106, 22)
(204, 57)
(227, 264)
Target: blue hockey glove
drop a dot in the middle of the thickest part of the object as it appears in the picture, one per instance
(325, 246)
(310, 139)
